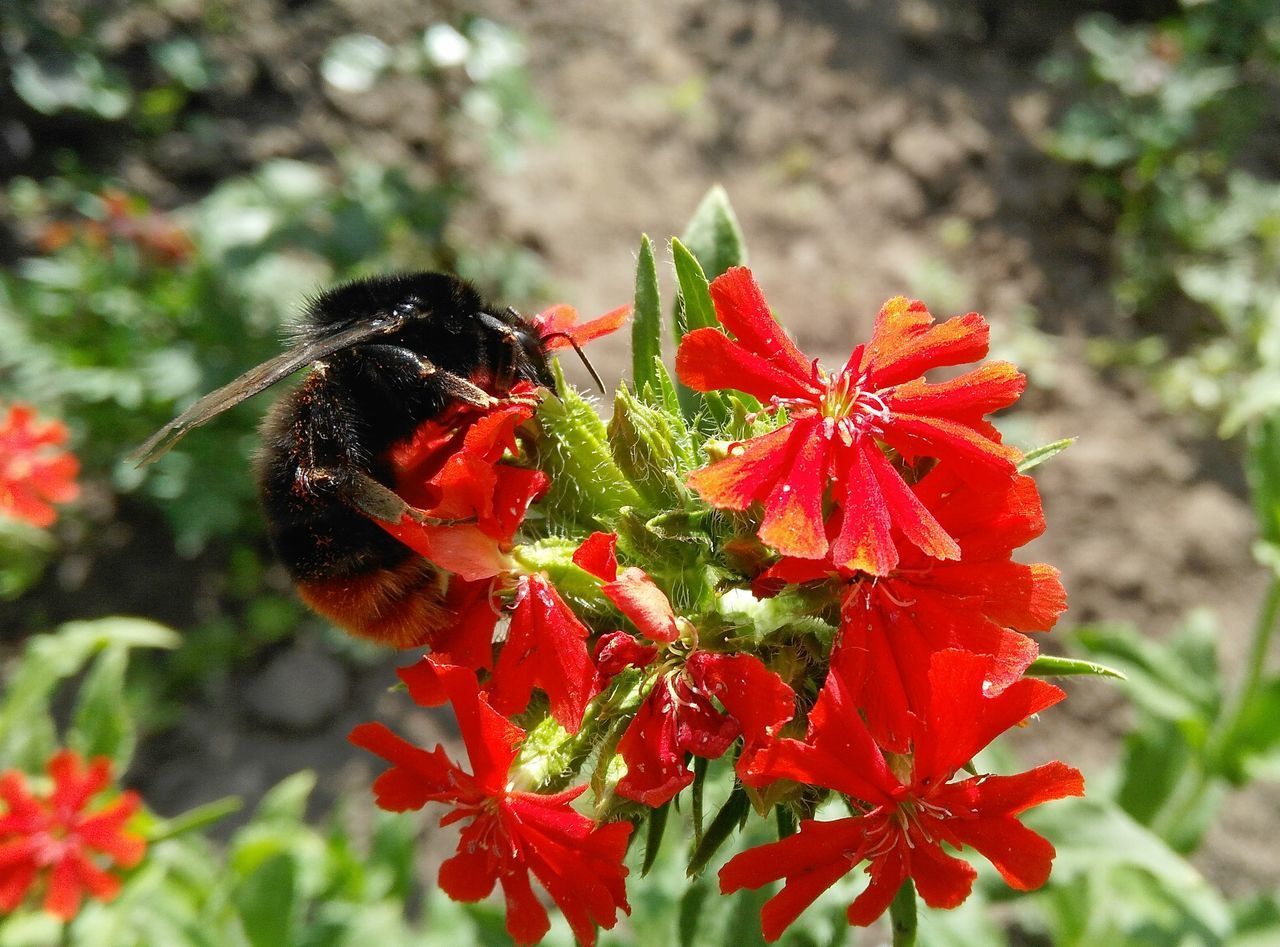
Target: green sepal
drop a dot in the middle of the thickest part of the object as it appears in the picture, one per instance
(660, 391)
(678, 566)
(646, 320)
(713, 234)
(547, 753)
(1053, 665)
(795, 608)
(587, 487)
(552, 556)
(727, 820)
(656, 828)
(1037, 456)
(652, 448)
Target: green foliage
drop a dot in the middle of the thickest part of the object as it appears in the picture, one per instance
(102, 722)
(1166, 129)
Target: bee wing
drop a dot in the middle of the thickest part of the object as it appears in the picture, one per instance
(256, 380)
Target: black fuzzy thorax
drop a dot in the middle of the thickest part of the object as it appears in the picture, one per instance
(357, 403)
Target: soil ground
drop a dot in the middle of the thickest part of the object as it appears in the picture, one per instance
(870, 149)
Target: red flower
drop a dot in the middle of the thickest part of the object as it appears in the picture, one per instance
(903, 825)
(678, 716)
(891, 625)
(556, 326)
(60, 838)
(511, 832)
(545, 647)
(34, 472)
(835, 424)
(472, 504)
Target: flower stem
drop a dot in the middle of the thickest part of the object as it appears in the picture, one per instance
(1255, 665)
(902, 915)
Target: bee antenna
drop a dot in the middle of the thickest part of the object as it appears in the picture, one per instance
(582, 355)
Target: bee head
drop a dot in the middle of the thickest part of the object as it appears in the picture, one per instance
(531, 356)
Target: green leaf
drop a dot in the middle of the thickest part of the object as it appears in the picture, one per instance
(1174, 680)
(287, 800)
(1037, 456)
(646, 320)
(691, 913)
(653, 837)
(267, 902)
(713, 234)
(27, 735)
(1262, 464)
(727, 820)
(1156, 757)
(1096, 840)
(695, 310)
(1053, 665)
(103, 725)
(699, 310)
(587, 488)
(194, 820)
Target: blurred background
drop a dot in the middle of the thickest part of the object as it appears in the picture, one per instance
(1100, 179)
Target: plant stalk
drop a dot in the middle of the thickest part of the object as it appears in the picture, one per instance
(902, 915)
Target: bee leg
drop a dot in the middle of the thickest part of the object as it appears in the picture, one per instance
(452, 385)
(378, 501)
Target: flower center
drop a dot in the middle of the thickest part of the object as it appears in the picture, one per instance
(845, 400)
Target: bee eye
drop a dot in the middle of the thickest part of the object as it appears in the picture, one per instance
(405, 309)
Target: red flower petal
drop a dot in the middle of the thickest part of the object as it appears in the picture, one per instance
(887, 872)
(792, 521)
(639, 598)
(619, 650)
(470, 874)
(967, 397)
(598, 555)
(942, 880)
(561, 319)
(811, 861)
(755, 697)
(864, 541)
(839, 753)
(750, 470)
(416, 777)
(656, 769)
(963, 718)
(708, 359)
(906, 343)
(545, 648)
(741, 308)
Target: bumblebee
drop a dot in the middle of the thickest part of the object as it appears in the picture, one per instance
(386, 354)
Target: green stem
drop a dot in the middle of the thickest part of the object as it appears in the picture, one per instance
(1224, 734)
(902, 915)
(1225, 730)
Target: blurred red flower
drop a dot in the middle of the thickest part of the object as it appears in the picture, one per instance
(835, 424)
(903, 824)
(678, 717)
(59, 839)
(511, 832)
(34, 471)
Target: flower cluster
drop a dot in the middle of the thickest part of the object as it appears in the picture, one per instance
(58, 843)
(35, 472)
(808, 574)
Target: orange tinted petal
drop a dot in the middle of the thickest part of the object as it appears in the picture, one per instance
(906, 342)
